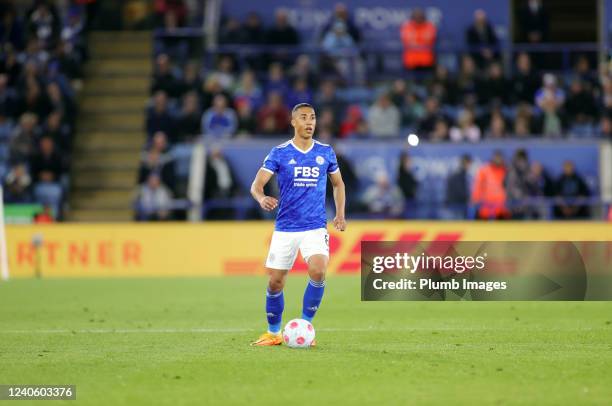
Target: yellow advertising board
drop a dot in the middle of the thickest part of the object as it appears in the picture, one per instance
(233, 248)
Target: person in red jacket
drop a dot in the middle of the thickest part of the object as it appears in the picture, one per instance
(489, 192)
(419, 37)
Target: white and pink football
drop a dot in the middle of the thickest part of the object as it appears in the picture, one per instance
(298, 333)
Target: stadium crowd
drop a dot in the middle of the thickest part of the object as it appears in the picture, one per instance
(251, 96)
(41, 55)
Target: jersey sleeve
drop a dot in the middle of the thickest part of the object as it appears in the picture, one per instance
(333, 162)
(270, 163)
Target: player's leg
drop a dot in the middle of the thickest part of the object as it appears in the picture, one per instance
(275, 301)
(283, 251)
(315, 250)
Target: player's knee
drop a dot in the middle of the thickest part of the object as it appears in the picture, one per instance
(317, 273)
(276, 284)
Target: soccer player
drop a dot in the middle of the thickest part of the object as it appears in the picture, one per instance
(301, 165)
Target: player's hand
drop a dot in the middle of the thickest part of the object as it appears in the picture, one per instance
(339, 223)
(268, 203)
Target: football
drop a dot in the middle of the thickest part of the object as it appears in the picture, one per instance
(298, 333)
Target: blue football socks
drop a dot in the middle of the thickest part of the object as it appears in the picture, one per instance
(312, 299)
(275, 304)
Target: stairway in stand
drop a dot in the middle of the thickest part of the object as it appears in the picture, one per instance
(110, 133)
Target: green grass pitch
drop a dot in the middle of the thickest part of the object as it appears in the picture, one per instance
(186, 341)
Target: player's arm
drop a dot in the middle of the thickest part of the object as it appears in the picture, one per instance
(339, 200)
(267, 203)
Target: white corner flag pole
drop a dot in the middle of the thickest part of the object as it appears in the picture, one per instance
(4, 267)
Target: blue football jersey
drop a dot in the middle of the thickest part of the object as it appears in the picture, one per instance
(302, 180)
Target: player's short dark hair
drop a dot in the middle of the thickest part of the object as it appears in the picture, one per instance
(299, 106)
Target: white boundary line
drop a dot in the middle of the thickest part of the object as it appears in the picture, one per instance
(248, 330)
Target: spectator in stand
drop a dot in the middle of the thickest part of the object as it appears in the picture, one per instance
(300, 93)
(159, 117)
(517, 187)
(533, 22)
(342, 53)
(247, 125)
(249, 89)
(163, 78)
(351, 182)
(397, 93)
(604, 129)
(6, 127)
(327, 121)
(482, 40)
(442, 86)
(219, 121)
(157, 159)
(413, 110)
(494, 88)
(46, 164)
(466, 130)
(525, 81)
(539, 184)
(458, 189)
(489, 193)
(341, 14)
(432, 114)
(467, 80)
(231, 32)
(303, 69)
(277, 82)
(8, 97)
(69, 64)
(175, 8)
(59, 131)
(212, 88)
(525, 123)
(419, 37)
(33, 101)
(44, 23)
(583, 71)
(606, 96)
(219, 184)
(18, 185)
(580, 108)
(254, 33)
(188, 122)
(384, 198)
(57, 101)
(12, 67)
(354, 116)
(496, 128)
(406, 180)
(225, 73)
(154, 200)
(273, 118)
(571, 186)
(11, 29)
(328, 98)
(550, 91)
(550, 122)
(440, 132)
(25, 134)
(384, 118)
(191, 80)
(282, 32)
